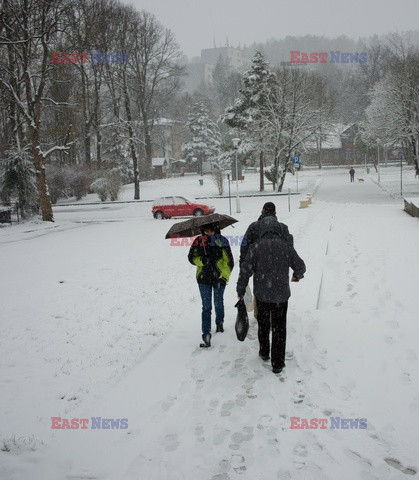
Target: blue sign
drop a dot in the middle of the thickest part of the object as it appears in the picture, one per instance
(401, 154)
(296, 160)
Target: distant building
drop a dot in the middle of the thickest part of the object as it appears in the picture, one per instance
(339, 146)
(167, 139)
(234, 56)
(159, 165)
(336, 147)
(200, 72)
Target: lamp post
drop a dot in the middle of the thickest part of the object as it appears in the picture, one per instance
(401, 154)
(236, 142)
(378, 158)
(229, 193)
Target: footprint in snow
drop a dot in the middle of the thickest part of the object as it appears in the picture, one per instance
(361, 459)
(394, 324)
(220, 436)
(220, 476)
(213, 405)
(168, 403)
(299, 395)
(199, 433)
(239, 437)
(237, 462)
(171, 442)
(264, 422)
(300, 455)
(283, 475)
(226, 408)
(393, 462)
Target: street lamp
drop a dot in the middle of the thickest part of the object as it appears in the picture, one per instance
(378, 158)
(401, 154)
(236, 142)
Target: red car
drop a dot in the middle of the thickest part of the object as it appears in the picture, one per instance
(166, 207)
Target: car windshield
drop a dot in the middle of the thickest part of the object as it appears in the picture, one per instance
(164, 201)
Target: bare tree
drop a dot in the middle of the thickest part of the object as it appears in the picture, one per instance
(393, 115)
(29, 29)
(156, 71)
(292, 117)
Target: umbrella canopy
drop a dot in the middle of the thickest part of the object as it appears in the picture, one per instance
(193, 226)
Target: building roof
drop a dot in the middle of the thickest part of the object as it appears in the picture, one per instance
(158, 162)
(331, 139)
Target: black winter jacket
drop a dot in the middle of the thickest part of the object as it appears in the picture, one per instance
(252, 234)
(269, 261)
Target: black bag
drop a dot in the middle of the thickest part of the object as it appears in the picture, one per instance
(242, 321)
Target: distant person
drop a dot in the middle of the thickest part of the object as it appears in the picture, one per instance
(352, 174)
(269, 260)
(211, 253)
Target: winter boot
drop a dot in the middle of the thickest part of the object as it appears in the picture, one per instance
(207, 340)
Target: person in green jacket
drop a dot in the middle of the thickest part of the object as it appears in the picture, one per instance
(211, 253)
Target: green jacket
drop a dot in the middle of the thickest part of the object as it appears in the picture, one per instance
(213, 259)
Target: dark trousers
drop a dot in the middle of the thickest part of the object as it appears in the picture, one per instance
(275, 314)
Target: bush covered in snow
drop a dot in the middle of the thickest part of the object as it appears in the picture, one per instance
(107, 186)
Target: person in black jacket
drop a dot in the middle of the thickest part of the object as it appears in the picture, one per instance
(269, 261)
(252, 234)
(211, 254)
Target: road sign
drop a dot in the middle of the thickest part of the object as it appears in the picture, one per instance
(296, 160)
(401, 154)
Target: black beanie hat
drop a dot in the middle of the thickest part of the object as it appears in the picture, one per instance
(269, 207)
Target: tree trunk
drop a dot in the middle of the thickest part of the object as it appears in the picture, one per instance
(87, 120)
(147, 145)
(261, 171)
(131, 141)
(38, 159)
(286, 167)
(281, 181)
(98, 147)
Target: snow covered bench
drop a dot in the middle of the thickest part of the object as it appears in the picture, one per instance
(411, 206)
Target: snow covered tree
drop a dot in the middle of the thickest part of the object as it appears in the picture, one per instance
(393, 115)
(205, 142)
(226, 83)
(18, 180)
(292, 116)
(247, 113)
(29, 29)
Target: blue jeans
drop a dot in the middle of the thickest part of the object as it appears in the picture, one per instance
(206, 294)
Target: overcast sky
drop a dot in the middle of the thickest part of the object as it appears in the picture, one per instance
(198, 23)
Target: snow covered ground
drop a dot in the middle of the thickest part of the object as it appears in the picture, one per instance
(100, 317)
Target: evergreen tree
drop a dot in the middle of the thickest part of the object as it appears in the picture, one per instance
(18, 181)
(205, 142)
(246, 115)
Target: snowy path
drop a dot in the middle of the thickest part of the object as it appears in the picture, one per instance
(221, 413)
